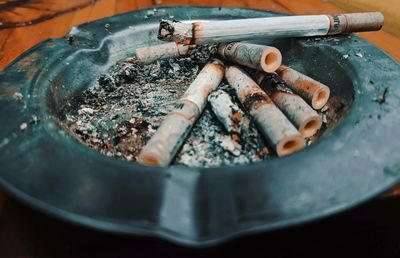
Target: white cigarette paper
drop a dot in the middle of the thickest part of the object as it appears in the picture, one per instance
(255, 28)
(272, 123)
(255, 56)
(306, 119)
(163, 146)
(314, 92)
(147, 55)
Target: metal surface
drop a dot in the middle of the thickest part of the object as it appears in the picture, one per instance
(46, 168)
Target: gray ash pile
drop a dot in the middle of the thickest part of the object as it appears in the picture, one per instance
(122, 112)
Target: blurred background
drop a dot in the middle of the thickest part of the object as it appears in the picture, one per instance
(24, 23)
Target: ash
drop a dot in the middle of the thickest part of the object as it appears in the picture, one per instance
(119, 114)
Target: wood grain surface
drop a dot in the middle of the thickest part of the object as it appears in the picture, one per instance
(24, 23)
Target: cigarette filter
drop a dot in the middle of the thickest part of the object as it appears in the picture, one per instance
(274, 126)
(258, 57)
(147, 55)
(163, 146)
(286, 26)
(314, 92)
(303, 117)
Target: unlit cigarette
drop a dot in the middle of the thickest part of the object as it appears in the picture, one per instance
(163, 146)
(259, 57)
(147, 55)
(306, 119)
(274, 126)
(314, 92)
(286, 26)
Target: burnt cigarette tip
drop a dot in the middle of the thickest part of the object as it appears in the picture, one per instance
(290, 145)
(271, 59)
(166, 30)
(310, 126)
(320, 97)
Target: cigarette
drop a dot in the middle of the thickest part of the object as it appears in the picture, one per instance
(258, 57)
(163, 146)
(255, 28)
(272, 123)
(229, 114)
(303, 117)
(147, 55)
(314, 92)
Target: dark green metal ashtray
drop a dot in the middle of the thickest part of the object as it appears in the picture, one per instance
(45, 167)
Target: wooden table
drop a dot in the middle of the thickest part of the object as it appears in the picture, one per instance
(24, 23)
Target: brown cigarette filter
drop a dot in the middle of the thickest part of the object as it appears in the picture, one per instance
(272, 123)
(258, 57)
(303, 117)
(314, 92)
(163, 146)
(147, 55)
(355, 22)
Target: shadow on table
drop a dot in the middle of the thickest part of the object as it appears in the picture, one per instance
(371, 230)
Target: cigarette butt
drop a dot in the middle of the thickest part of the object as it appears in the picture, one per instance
(235, 121)
(163, 146)
(314, 92)
(303, 117)
(147, 55)
(255, 56)
(229, 114)
(272, 123)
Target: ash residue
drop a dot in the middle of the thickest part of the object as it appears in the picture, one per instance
(118, 115)
(182, 69)
(210, 145)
